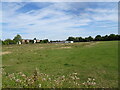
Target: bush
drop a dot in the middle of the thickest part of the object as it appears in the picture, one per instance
(8, 41)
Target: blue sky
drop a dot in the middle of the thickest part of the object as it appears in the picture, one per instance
(58, 20)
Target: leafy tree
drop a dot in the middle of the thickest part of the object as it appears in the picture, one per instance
(98, 38)
(81, 39)
(117, 37)
(105, 38)
(17, 38)
(8, 41)
(76, 39)
(86, 39)
(111, 37)
(34, 39)
(71, 39)
(90, 38)
(45, 41)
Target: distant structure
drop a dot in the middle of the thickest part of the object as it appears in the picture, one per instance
(34, 41)
(27, 41)
(68, 41)
(38, 41)
(61, 41)
(19, 42)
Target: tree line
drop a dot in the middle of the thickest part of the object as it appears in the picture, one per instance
(10, 41)
(18, 38)
(110, 37)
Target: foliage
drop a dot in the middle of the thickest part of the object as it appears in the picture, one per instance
(17, 38)
(110, 37)
(97, 38)
(71, 39)
(8, 41)
(45, 41)
(34, 39)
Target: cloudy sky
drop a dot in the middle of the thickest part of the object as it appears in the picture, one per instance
(58, 20)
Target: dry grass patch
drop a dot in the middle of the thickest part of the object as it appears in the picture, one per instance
(91, 44)
(6, 52)
(61, 47)
(9, 47)
(65, 47)
(41, 47)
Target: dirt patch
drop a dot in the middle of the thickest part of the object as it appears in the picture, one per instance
(41, 47)
(6, 52)
(91, 44)
(9, 47)
(63, 48)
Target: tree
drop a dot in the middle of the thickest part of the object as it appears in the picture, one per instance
(105, 38)
(34, 39)
(81, 39)
(85, 39)
(76, 39)
(8, 41)
(117, 37)
(71, 39)
(45, 41)
(17, 38)
(90, 38)
(98, 38)
(111, 37)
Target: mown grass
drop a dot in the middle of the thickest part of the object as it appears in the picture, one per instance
(98, 60)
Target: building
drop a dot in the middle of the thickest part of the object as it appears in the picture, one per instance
(62, 41)
(38, 41)
(19, 42)
(26, 41)
(68, 41)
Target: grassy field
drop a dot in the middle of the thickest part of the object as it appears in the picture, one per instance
(98, 60)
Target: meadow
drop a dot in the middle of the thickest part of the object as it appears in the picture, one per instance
(86, 60)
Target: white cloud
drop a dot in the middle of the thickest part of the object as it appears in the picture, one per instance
(104, 14)
(51, 20)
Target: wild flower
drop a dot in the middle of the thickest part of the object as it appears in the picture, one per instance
(89, 79)
(77, 78)
(44, 79)
(17, 80)
(23, 75)
(39, 85)
(90, 83)
(41, 80)
(63, 76)
(49, 79)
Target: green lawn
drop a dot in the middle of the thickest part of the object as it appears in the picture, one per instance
(89, 59)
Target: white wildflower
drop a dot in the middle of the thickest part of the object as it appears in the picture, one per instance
(89, 79)
(23, 75)
(39, 85)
